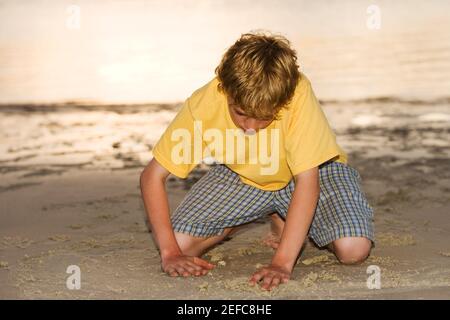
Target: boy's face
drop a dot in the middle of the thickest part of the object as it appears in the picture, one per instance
(248, 124)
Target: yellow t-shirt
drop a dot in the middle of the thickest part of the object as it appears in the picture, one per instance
(300, 140)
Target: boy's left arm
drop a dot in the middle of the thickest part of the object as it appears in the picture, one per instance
(298, 220)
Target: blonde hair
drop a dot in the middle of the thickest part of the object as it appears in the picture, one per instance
(260, 72)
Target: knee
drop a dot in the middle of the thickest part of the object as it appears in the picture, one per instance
(352, 250)
(188, 244)
(196, 246)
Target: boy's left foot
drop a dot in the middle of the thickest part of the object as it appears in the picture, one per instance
(272, 239)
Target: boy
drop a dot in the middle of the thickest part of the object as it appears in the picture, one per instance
(287, 164)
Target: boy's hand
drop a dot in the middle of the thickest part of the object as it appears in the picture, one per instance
(185, 266)
(270, 276)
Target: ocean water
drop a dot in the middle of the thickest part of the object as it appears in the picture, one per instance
(138, 51)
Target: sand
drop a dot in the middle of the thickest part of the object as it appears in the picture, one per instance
(70, 195)
(316, 260)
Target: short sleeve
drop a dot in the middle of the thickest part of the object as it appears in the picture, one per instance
(175, 148)
(309, 140)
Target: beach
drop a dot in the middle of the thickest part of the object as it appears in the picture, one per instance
(70, 196)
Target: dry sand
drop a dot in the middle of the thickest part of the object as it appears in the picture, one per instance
(70, 195)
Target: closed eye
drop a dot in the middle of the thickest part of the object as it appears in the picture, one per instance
(240, 113)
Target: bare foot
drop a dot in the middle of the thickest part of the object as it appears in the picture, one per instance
(272, 239)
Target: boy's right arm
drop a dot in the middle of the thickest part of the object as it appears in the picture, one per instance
(154, 195)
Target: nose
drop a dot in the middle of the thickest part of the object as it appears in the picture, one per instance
(251, 124)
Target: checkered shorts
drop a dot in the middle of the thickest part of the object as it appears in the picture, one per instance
(221, 200)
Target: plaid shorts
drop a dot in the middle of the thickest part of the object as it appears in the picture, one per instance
(221, 200)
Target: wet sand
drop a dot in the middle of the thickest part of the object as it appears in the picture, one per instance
(70, 195)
